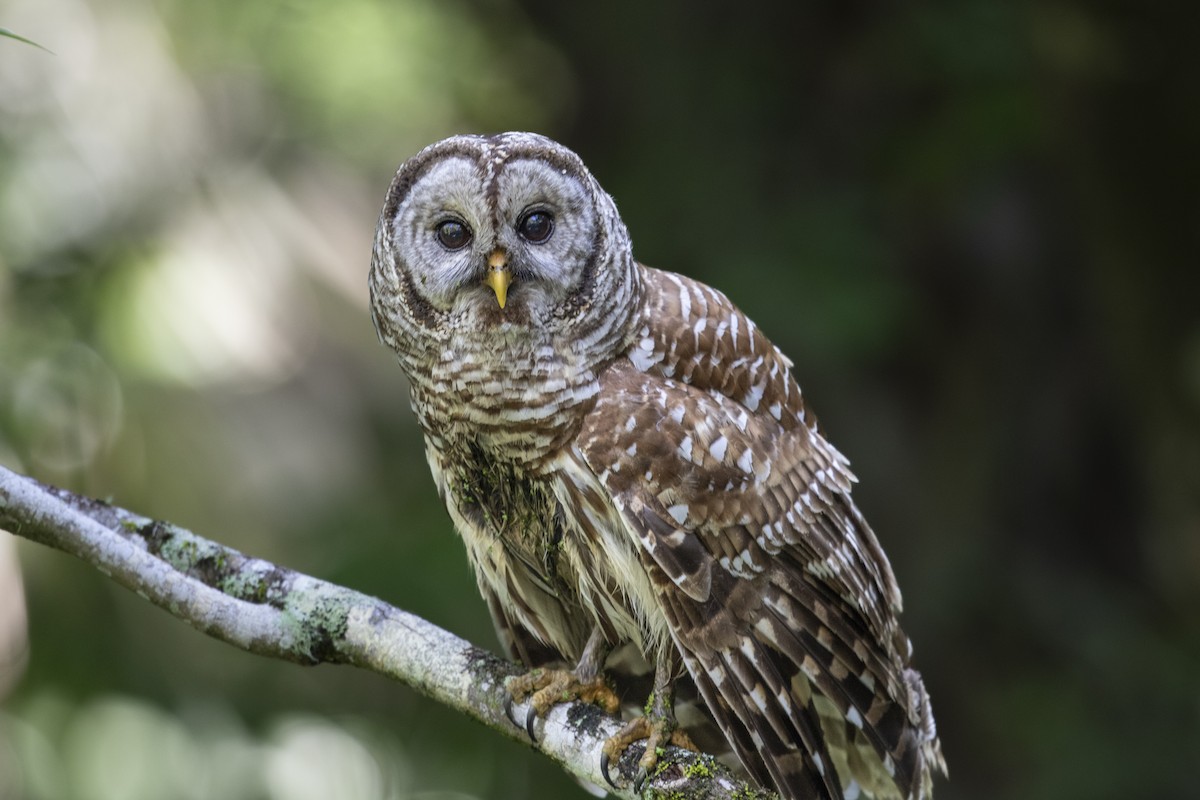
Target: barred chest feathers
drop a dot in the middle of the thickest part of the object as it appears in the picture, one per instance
(541, 533)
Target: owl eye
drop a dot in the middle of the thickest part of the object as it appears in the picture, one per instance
(536, 226)
(453, 234)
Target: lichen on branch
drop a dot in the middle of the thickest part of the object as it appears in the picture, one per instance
(274, 611)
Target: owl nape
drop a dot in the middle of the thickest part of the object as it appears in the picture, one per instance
(632, 469)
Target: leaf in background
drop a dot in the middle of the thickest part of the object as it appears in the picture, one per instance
(19, 38)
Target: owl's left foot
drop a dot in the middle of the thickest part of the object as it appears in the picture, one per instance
(547, 687)
(658, 726)
(658, 730)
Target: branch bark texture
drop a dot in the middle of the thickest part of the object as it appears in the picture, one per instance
(277, 612)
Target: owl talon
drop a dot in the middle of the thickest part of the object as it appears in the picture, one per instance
(604, 770)
(512, 717)
(545, 688)
(508, 710)
(658, 732)
(530, 719)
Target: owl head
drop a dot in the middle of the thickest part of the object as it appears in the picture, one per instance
(504, 238)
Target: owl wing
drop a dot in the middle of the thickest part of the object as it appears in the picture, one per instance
(777, 594)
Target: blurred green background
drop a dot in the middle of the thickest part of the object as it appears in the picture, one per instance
(973, 225)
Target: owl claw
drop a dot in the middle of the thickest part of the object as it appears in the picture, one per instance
(604, 770)
(545, 688)
(530, 719)
(639, 780)
(508, 711)
(657, 732)
(605, 763)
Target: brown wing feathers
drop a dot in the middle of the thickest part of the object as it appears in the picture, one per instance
(745, 684)
(779, 596)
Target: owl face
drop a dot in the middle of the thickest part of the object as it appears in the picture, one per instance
(510, 230)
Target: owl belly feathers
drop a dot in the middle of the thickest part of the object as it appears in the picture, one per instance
(628, 459)
(542, 535)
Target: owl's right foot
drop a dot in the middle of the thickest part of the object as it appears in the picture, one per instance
(547, 687)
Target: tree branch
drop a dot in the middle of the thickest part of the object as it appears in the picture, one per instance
(273, 611)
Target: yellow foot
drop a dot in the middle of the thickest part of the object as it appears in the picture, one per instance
(547, 687)
(657, 732)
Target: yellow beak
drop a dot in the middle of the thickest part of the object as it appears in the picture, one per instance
(498, 276)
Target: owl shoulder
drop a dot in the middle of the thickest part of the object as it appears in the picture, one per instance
(692, 333)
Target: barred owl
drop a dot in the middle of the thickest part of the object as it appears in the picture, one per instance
(629, 462)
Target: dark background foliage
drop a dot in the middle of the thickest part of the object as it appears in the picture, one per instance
(972, 225)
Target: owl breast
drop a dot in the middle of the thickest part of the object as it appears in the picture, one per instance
(517, 404)
(541, 533)
(550, 547)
